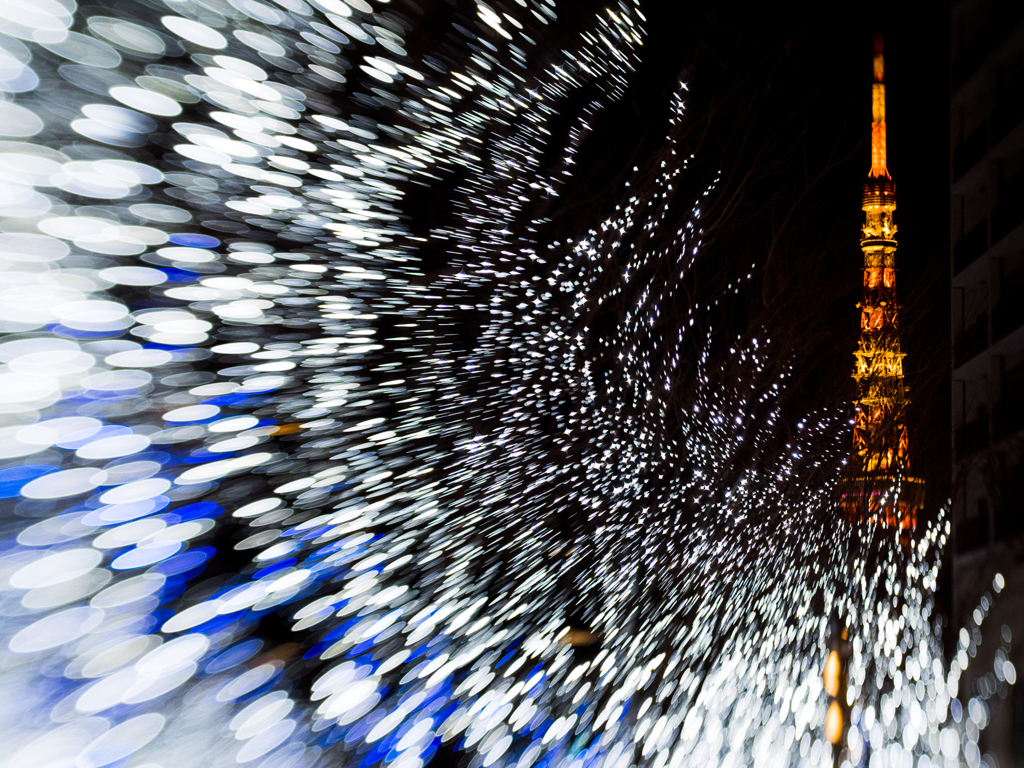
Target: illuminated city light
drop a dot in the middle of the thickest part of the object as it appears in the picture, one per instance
(271, 506)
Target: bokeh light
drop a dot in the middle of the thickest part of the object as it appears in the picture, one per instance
(267, 502)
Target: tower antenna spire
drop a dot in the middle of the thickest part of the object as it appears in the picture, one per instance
(878, 169)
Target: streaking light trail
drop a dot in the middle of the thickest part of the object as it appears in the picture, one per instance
(293, 478)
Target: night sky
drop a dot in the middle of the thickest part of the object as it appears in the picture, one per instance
(781, 104)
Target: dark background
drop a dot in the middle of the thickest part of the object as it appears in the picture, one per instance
(779, 103)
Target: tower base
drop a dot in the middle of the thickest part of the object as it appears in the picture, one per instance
(874, 500)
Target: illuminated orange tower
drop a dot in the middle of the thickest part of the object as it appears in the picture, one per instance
(879, 488)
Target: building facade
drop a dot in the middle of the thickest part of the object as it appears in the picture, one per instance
(987, 268)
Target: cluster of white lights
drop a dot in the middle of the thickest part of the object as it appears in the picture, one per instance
(285, 491)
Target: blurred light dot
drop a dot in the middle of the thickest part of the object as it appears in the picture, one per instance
(247, 681)
(162, 213)
(194, 240)
(233, 424)
(146, 101)
(68, 482)
(112, 447)
(43, 21)
(192, 413)
(18, 121)
(133, 275)
(52, 431)
(131, 735)
(265, 741)
(255, 508)
(125, 34)
(188, 255)
(117, 381)
(23, 246)
(186, 561)
(145, 554)
(129, 591)
(192, 617)
(56, 629)
(120, 513)
(137, 491)
(13, 479)
(194, 32)
(71, 591)
(83, 49)
(261, 43)
(26, 388)
(12, 446)
(140, 358)
(55, 568)
(261, 714)
(235, 348)
(84, 313)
